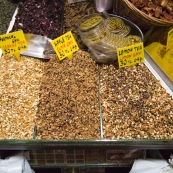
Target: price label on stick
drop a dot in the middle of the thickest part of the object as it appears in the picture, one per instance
(13, 43)
(169, 39)
(65, 45)
(130, 55)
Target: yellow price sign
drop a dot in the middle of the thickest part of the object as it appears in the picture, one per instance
(65, 45)
(169, 39)
(130, 55)
(13, 43)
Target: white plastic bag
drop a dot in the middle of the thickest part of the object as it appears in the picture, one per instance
(151, 166)
(15, 164)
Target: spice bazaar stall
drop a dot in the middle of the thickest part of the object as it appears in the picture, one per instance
(83, 110)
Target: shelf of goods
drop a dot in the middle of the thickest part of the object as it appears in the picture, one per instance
(78, 112)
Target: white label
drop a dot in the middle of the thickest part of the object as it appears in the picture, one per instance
(74, 1)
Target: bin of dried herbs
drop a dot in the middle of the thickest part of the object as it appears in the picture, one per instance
(134, 104)
(6, 12)
(69, 106)
(19, 96)
(42, 17)
(74, 11)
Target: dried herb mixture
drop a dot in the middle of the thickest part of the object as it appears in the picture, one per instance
(134, 104)
(69, 107)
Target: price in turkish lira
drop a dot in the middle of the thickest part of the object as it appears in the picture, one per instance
(131, 55)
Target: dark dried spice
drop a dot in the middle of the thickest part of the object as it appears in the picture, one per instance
(40, 17)
(142, 106)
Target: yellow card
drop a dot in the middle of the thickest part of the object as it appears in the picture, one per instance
(65, 45)
(17, 55)
(169, 39)
(13, 43)
(130, 55)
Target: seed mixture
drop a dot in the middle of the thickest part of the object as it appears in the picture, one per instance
(42, 17)
(69, 107)
(7, 9)
(19, 96)
(134, 104)
(72, 13)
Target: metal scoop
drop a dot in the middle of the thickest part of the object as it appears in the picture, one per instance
(38, 46)
(103, 5)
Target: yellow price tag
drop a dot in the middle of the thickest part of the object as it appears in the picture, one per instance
(169, 39)
(130, 55)
(13, 43)
(65, 45)
(17, 55)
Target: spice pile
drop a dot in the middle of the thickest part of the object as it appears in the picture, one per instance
(42, 17)
(134, 104)
(6, 12)
(72, 13)
(69, 107)
(161, 9)
(19, 96)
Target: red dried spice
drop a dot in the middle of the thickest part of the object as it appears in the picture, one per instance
(40, 17)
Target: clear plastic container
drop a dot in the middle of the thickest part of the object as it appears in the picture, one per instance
(102, 42)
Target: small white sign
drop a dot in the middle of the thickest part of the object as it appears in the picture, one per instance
(74, 1)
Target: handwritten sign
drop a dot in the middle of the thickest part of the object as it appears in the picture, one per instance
(65, 45)
(13, 43)
(130, 55)
(169, 39)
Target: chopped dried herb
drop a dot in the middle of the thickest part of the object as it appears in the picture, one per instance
(6, 12)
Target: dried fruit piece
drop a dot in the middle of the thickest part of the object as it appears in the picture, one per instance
(161, 9)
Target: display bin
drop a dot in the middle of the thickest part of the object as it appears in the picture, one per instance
(88, 155)
(101, 153)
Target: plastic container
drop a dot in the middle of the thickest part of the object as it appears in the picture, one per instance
(101, 41)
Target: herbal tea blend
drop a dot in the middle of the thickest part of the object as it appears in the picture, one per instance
(69, 107)
(6, 12)
(40, 17)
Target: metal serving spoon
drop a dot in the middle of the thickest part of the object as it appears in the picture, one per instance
(38, 46)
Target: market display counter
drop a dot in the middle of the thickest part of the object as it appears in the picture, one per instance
(89, 144)
(59, 153)
(84, 154)
(90, 127)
